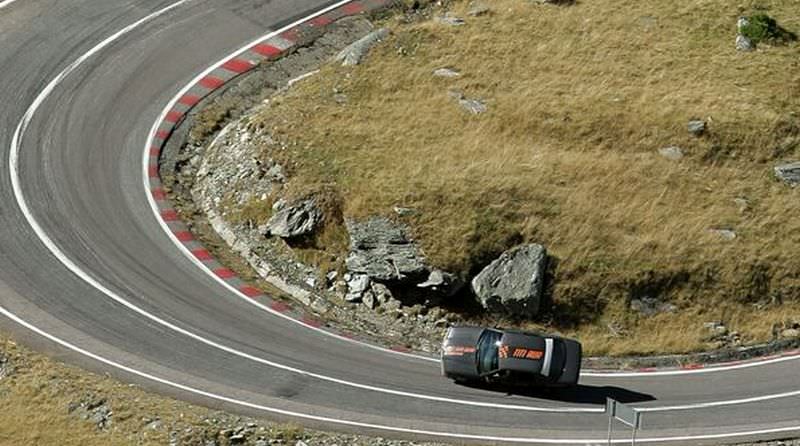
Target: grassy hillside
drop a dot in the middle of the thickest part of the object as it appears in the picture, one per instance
(580, 100)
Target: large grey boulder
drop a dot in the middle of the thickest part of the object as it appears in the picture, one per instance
(355, 53)
(381, 249)
(789, 173)
(513, 284)
(294, 220)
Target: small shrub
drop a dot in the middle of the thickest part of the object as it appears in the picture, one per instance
(763, 28)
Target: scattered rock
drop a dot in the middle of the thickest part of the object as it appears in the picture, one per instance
(294, 220)
(726, 234)
(279, 205)
(382, 293)
(340, 98)
(672, 153)
(356, 286)
(649, 306)
(744, 44)
(697, 127)
(789, 173)
(513, 283)
(380, 249)
(300, 443)
(442, 282)
(368, 299)
(355, 53)
(474, 106)
(404, 212)
(450, 19)
(331, 277)
(446, 72)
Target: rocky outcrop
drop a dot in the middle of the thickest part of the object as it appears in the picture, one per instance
(513, 284)
(789, 173)
(355, 53)
(294, 220)
(382, 250)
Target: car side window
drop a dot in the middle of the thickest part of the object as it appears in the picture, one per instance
(487, 351)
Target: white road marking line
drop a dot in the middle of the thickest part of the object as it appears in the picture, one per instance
(709, 369)
(75, 269)
(343, 422)
(695, 406)
(5, 3)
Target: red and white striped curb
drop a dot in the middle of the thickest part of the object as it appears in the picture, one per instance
(241, 62)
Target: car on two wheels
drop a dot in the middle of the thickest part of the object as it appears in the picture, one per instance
(475, 354)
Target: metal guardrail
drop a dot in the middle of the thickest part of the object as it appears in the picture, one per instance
(625, 414)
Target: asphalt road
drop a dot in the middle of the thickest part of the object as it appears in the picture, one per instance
(162, 322)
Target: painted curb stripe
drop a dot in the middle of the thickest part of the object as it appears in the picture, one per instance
(238, 65)
(211, 82)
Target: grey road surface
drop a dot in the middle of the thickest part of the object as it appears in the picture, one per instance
(80, 173)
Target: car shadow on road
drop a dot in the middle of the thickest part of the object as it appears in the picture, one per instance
(580, 394)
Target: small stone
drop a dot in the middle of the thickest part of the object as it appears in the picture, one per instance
(369, 300)
(697, 127)
(744, 44)
(356, 287)
(404, 212)
(300, 443)
(474, 106)
(789, 173)
(726, 234)
(279, 205)
(382, 293)
(672, 153)
(331, 277)
(451, 20)
(446, 72)
(340, 98)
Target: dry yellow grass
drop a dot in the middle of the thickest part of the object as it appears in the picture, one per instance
(580, 100)
(35, 400)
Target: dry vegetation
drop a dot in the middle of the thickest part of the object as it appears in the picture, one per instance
(38, 399)
(580, 99)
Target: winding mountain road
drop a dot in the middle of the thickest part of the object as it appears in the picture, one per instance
(88, 274)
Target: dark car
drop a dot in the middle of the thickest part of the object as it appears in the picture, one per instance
(471, 354)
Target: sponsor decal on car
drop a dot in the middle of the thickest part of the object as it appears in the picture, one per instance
(458, 350)
(506, 351)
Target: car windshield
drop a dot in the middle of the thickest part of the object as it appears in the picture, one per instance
(487, 351)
